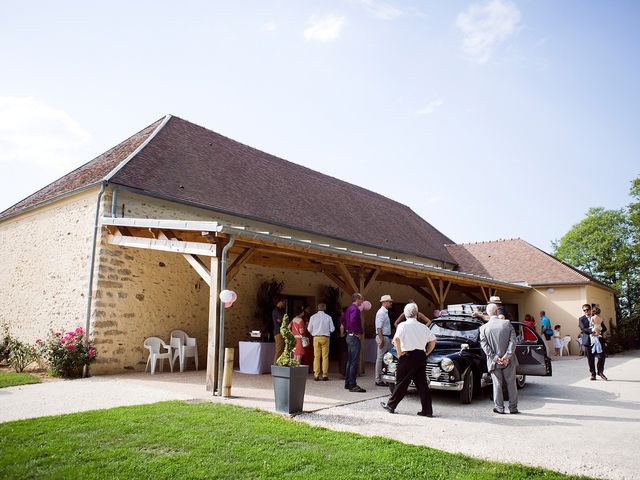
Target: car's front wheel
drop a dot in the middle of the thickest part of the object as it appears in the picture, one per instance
(466, 394)
(521, 381)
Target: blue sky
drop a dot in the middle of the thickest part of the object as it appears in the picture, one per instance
(490, 119)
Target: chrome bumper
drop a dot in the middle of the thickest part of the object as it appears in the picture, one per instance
(455, 386)
(434, 384)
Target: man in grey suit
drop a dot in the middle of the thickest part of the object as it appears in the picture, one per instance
(498, 340)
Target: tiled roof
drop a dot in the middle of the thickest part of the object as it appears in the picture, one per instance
(515, 260)
(190, 164)
(88, 174)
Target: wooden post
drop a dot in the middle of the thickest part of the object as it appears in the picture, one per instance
(212, 342)
(362, 288)
(227, 375)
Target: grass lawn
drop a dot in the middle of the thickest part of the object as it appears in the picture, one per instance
(188, 441)
(10, 379)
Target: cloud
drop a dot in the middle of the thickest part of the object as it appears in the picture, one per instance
(270, 26)
(378, 9)
(324, 28)
(431, 107)
(33, 133)
(485, 26)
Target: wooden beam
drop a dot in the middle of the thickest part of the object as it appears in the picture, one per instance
(373, 274)
(446, 292)
(422, 291)
(434, 291)
(192, 260)
(337, 280)
(472, 293)
(484, 294)
(173, 246)
(348, 279)
(238, 263)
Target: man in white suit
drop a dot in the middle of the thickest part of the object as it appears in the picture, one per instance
(498, 340)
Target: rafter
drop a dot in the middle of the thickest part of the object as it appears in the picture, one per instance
(348, 279)
(425, 293)
(373, 274)
(197, 264)
(337, 280)
(238, 263)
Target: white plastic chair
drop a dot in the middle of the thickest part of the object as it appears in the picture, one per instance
(565, 344)
(154, 344)
(184, 347)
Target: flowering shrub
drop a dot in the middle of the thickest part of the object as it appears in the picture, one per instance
(17, 354)
(67, 353)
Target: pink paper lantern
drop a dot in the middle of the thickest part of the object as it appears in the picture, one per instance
(366, 305)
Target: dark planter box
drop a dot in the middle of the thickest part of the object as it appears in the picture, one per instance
(288, 387)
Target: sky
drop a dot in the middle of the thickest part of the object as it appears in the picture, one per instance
(490, 119)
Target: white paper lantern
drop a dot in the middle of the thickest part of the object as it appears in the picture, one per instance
(226, 296)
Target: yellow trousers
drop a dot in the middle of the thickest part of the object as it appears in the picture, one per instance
(320, 350)
(279, 347)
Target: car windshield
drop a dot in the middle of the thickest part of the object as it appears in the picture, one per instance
(456, 328)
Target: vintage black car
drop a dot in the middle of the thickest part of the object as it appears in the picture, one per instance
(458, 363)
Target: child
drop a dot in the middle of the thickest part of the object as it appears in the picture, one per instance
(596, 331)
(580, 343)
(557, 340)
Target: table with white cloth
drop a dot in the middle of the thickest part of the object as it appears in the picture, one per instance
(256, 357)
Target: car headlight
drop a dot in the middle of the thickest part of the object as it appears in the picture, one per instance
(388, 358)
(447, 364)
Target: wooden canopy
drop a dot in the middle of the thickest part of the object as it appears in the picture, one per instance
(202, 243)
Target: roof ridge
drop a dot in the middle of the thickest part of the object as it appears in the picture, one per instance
(139, 148)
(482, 242)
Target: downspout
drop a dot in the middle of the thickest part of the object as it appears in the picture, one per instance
(223, 286)
(92, 262)
(114, 203)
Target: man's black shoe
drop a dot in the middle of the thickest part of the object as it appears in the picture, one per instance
(324, 379)
(425, 414)
(514, 411)
(593, 377)
(495, 410)
(357, 389)
(387, 407)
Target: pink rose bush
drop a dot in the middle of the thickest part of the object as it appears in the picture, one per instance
(67, 353)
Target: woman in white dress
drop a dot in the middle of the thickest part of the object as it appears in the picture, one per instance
(557, 339)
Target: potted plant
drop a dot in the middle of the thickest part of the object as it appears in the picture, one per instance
(289, 377)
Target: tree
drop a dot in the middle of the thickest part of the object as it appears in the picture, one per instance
(602, 245)
(606, 245)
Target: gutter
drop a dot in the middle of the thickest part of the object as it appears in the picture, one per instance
(223, 286)
(168, 198)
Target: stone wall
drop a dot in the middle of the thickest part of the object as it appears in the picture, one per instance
(44, 267)
(143, 293)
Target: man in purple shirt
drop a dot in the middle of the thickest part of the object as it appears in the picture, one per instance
(352, 324)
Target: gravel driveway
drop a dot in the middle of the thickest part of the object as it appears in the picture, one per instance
(588, 428)
(567, 415)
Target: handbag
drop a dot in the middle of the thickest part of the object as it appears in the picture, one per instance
(305, 342)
